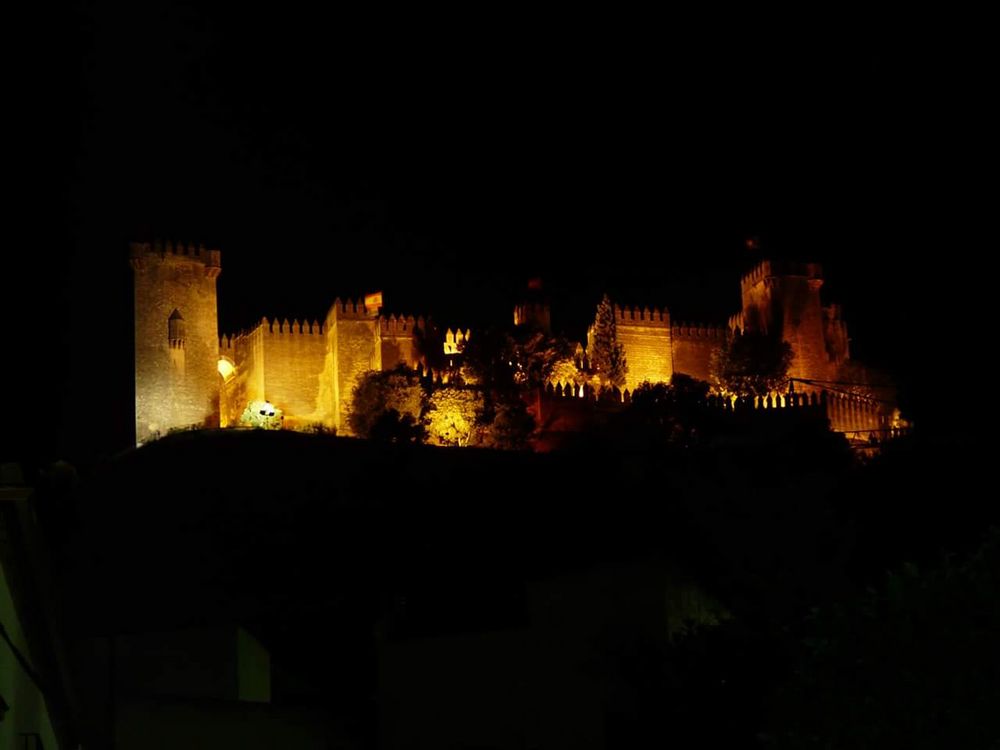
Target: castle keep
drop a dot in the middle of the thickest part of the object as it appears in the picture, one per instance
(176, 337)
(187, 376)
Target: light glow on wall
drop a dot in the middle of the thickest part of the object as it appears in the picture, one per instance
(226, 368)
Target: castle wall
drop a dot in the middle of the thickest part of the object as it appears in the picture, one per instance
(176, 361)
(397, 341)
(246, 352)
(294, 356)
(693, 348)
(645, 336)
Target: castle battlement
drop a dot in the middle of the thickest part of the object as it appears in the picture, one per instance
(455, 341)
(141, 253)
(400, 325)
(625, 316)
(234, 341)
(769, 268)
(695, 331)
(755, 275)
(350, 310)
(772, 402)
(278, 327)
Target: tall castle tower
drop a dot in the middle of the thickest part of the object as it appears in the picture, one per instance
(783, 299)
(176, 337)
(354, 346)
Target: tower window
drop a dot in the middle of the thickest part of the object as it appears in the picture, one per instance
(175, 329)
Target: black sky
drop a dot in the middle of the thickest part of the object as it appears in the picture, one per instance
(447, 160)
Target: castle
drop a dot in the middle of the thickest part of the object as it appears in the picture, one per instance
(186, 375)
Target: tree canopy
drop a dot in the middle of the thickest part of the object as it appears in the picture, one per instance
(400, 406)
(751, 364)
(396, 393)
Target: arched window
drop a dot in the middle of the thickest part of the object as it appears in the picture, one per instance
(175, 330)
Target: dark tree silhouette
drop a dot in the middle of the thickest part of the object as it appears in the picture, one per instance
(751, 364)
(428, 341)
(675, 413)
(382, 399)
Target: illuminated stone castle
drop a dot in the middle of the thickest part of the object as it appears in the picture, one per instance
(186, 375)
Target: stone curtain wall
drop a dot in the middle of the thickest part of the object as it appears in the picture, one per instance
(397, 340)
(246, 352)
(645, 335)
(293, 363)
(693, 348)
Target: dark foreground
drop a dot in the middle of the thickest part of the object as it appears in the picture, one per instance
(257, 589)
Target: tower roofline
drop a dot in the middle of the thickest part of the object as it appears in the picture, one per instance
(770, 268)
(141, 253)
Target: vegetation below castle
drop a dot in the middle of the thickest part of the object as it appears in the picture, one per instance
(483, 396)
(399, 406)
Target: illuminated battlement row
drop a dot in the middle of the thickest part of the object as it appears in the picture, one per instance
(642, 316)
(770, 268)
(351, 310)
(400, 325)
(142, 252)
(695, 331)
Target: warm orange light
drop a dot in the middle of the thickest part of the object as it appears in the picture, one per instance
(226, 368)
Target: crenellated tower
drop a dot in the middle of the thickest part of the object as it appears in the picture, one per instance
(176, 337)
(783, 298)
(353, 346)
(398, 335)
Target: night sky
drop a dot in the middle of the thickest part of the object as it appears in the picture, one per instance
(332, 155)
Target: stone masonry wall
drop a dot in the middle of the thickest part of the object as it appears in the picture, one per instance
(693, 349)
(246, 352)
(396, 334)
(293, 362)
(645, 335)
(176, 381)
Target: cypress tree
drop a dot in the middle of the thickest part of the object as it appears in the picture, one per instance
(607, 355)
